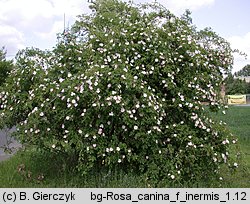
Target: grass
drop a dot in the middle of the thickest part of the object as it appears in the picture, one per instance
(38, 169)
(238, 121)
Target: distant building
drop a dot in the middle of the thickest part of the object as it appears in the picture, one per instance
(246, 78)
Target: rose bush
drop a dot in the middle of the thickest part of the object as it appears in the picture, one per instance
(124, 88)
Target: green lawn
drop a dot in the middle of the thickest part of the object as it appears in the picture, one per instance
(36, 169)
(238, 121)
(27, 169)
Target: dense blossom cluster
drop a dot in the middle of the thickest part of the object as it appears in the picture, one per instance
(125, 86)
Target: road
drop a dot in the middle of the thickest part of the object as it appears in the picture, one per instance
(248, 104)
(4, 137)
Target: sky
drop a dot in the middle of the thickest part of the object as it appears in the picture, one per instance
(35, 23)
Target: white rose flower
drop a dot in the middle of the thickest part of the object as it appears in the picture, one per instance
(135, 127)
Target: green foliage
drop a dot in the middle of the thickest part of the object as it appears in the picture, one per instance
(236, 86)
(123, 88)
(248, 88)
(5, 66)
(245, 71)
(24, 168)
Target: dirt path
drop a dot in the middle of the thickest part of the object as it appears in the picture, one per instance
(4, 138)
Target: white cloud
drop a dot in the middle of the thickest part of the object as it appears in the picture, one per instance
(179, 6)
(20, 13)
(72, 8)
(36, 22)
(242, 43)
(11, 38)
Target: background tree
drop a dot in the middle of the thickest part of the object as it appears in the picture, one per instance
(5, 66)
(248, 88)
(245, 71)
(235, 86)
